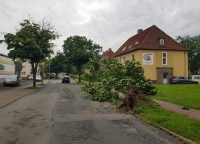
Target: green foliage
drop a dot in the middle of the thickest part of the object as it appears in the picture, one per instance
(108, 74)
(182, 125)
(193, 43)
(58, 63)
(52, 76)
(32, 42)
(78, 50)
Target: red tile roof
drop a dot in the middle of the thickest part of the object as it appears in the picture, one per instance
(149, 40)
(108, 53)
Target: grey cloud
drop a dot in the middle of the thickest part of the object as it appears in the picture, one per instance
(107, 22)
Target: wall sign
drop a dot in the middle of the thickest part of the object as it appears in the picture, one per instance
(147, 58)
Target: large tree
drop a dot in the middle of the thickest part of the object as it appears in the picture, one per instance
(78, 50)
(194, 54)
(32, 42)
(58, 63)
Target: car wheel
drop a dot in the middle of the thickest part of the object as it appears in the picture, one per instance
(19, 84)
(4, 85)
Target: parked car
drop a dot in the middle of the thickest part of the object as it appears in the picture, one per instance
(181, 80)
(66, 79)
(38, 77)
(196, 78)
(12, 80)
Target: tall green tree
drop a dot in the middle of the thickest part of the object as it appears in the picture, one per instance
(58, 63)
(194, 54)
(32, 42)
(78, 50)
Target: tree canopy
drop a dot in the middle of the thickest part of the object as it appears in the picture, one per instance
(32, 42)
(78, 50)
(109, 74)
(194, 54)
(58, 63)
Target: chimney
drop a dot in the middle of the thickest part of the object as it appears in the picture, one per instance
(139, 31)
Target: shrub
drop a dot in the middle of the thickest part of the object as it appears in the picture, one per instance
(108, 74)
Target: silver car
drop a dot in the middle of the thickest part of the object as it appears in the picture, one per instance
(12, 80)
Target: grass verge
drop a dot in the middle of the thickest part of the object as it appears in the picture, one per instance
(32, 87)
(81, 83)
(182, 125)
(40, 85)
(186, 95)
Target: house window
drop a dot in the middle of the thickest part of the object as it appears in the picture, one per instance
(124, 59)
(164, 58)
(23, 67)
(133, 57)
(162, 41)
(23, 73)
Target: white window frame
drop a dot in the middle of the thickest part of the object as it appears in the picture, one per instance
(23, 73)
(162, 41)
(133, 57)
(124, 59)
(164, 58)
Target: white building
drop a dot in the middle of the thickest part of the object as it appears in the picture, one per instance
(7, 66)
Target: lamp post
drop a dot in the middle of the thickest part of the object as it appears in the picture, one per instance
(49, 72)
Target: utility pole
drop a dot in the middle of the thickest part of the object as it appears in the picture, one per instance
(49, 72)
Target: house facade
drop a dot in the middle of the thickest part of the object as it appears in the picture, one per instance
(7, 67)
(27, 70)
(160, 56)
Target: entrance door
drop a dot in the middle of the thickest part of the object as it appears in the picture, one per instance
(165, 78)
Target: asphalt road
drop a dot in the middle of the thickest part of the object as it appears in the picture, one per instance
(62, 114)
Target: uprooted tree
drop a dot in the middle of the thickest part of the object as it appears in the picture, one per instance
(108, 76)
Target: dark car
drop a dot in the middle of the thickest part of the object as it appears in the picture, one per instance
(181, 80)
(12, 80)
(66, 79)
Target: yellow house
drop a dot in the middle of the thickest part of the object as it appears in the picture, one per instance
(160, 55)
(27, 70)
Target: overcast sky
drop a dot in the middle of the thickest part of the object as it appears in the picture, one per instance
(108, 23)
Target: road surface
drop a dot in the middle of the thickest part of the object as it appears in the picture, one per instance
(63, 114)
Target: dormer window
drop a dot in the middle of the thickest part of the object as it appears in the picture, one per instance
(162, 41)
(124, 48)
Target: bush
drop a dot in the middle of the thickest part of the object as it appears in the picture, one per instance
(108, 74)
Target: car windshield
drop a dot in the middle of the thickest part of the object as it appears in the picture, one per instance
(11, 77)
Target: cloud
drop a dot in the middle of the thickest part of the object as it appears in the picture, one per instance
(108, 23)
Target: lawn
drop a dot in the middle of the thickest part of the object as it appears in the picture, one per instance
(187, 95)
(182, 125)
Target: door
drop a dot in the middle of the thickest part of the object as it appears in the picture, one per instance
(165, 77)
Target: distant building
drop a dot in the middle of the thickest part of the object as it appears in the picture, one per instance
(108, 53)
(160, 56)
(26, 70)
(7, 67)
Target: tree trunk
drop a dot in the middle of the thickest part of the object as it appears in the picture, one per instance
(41, 75)
(34, 71)
(56, 75)
(79, 74)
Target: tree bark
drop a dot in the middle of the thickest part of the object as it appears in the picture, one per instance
(34, 71)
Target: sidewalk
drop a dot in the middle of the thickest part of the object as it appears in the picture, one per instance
(9, 96)
(192, 113)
